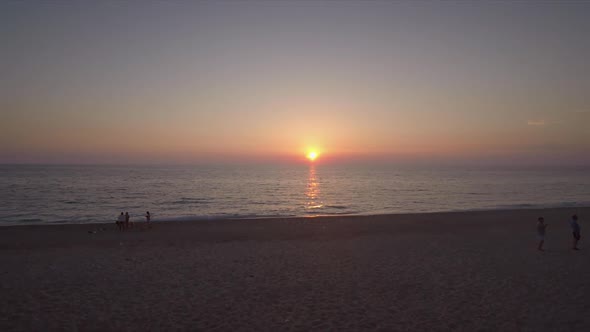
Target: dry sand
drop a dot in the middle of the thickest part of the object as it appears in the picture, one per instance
(471, 271)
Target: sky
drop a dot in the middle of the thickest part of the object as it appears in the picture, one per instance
(247, 81)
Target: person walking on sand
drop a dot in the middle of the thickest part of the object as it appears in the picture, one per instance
(575, 231)
(120, 221)
(148, 218)
(541, 226)
(126, 220)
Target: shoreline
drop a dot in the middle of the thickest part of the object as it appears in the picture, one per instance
(220, 230)
(328, 216)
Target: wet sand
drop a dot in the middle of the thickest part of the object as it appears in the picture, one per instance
(471, 271)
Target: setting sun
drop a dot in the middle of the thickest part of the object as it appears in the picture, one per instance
(312, 155)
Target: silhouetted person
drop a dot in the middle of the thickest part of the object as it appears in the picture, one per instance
(148, 218)
(575, 231)
(120, 221)
(541, 226)
(127, 220)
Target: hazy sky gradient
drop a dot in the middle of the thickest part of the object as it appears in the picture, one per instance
(261, 81)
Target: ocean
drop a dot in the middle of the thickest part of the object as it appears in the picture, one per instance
(36, 194)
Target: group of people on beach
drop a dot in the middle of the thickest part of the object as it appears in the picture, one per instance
(124, 220)
(542, 226)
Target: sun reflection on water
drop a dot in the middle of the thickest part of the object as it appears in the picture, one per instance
(313, 191)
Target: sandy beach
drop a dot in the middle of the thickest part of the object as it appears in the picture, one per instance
(471, 271)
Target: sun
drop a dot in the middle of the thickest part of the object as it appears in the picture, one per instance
(312, 155)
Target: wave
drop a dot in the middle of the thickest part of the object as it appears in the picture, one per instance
(191, 200)
(223, 216)
(337, 207)
(568, 204)
(29, 220)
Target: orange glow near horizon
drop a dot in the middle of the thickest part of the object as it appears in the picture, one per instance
(312, 155)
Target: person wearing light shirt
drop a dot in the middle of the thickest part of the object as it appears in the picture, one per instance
(575, 231)
(120, 221)
(541, 226)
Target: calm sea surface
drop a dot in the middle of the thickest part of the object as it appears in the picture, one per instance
(79, 194)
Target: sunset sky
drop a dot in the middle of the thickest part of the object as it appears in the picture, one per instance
(182, 82)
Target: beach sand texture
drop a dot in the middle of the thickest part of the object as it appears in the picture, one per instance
(470, 271)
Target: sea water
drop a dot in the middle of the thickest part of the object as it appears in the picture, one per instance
(82, 194)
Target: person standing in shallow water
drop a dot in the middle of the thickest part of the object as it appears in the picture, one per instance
(541, 226)
(575, 231)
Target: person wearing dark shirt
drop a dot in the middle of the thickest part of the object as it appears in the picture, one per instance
(127, 220)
